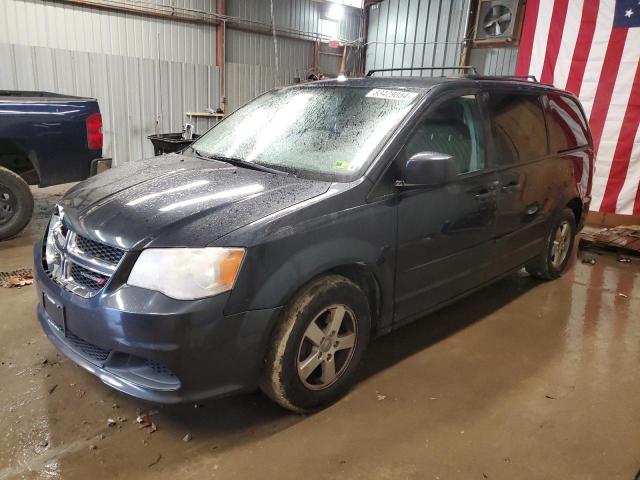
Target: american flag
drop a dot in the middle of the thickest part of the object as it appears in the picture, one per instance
(592, 48)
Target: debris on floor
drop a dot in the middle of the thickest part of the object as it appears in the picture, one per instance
(157, 459)
(622, 238)
(380, 396)
(145, 422)
(17, 278)
(186, 438)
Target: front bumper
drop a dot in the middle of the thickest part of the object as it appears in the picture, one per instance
(153, 347)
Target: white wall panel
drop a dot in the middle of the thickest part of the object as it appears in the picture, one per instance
(137, 96)
(494, 61)
(428, 33)
(415, 33)
(252, 67)
(69, 27)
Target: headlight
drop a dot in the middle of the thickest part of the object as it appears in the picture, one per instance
(53, 243)
(187, 273)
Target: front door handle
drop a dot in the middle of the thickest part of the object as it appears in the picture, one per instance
(485, 192)
(483, 195)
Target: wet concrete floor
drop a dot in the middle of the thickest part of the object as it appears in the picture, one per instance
(523, 380)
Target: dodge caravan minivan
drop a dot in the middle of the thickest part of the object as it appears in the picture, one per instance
(311, 220)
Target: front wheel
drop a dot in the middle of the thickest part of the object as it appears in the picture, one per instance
(317, 345)
(554, 260)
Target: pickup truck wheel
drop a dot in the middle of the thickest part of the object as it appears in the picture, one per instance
(16, 204)
(318, 345)
(554, 260)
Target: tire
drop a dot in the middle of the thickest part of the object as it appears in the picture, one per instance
(552, 263)
(298, 346)
(16, 204)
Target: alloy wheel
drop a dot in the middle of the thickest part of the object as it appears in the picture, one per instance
(327, 347)
(561, 244)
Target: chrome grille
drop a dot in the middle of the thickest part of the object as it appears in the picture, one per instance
(89, 279)
(106, 253)
(79, 264)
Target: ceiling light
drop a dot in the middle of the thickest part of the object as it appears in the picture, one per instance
(335, 11)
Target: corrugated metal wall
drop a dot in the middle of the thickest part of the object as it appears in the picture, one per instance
(494, 61)
(145, 72)
(251, 65)
(427, 33)
(415, 33)
(299, 15)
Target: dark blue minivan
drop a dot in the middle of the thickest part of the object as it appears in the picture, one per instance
(309, 221)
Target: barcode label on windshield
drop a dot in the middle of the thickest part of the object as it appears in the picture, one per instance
(401, 95)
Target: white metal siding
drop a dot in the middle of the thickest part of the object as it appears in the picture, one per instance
(145, 72)
(494, 61)
(70, 27)
(251, 60)
(251, 65)
(416, 33)
(428, 33)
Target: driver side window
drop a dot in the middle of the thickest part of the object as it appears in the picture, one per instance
(454, 128)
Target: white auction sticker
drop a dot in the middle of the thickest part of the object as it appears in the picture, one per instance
(402, 95)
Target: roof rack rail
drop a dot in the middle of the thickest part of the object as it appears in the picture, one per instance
(508, 77)
(464, 67)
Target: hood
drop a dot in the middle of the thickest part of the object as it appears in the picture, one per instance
(177, 200)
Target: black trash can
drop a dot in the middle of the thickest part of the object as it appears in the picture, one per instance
(169, 142)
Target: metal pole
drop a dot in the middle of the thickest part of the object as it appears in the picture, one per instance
(220, 52)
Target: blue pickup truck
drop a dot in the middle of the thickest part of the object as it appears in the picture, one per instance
(45, 139)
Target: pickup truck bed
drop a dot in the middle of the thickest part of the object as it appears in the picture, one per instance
(49, 131)
(45, 139)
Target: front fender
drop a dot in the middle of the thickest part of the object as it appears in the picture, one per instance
(274, 270)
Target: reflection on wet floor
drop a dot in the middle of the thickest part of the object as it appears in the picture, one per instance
(521, 380)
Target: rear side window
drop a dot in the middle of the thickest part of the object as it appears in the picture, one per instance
(567, 127)
(519, 131)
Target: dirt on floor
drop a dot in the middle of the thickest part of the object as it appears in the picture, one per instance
(523, 380)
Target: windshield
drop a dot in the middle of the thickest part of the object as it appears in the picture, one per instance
(325, 133)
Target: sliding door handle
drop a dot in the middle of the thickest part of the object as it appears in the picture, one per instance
(510, 187)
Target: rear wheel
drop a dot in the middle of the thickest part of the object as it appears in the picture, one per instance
(318, 344)
(16, 204)
(554, 260)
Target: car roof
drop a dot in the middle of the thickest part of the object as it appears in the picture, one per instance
(427, 82)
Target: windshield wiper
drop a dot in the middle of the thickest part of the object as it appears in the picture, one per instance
(239, 162)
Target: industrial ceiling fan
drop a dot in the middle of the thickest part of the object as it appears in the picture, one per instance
(497, 20)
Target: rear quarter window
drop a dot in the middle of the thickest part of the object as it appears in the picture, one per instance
(518, 127)
(567, 126)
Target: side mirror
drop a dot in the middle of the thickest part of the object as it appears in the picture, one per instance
(428, 169)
